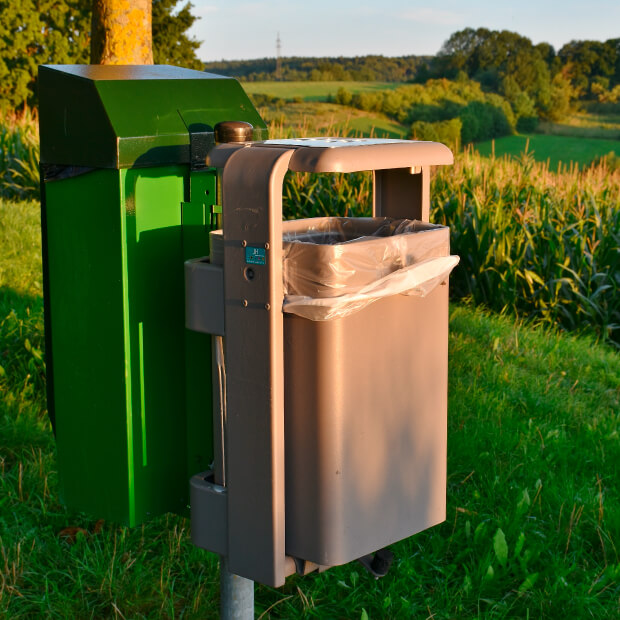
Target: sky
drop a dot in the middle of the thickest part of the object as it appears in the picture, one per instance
(234, 29)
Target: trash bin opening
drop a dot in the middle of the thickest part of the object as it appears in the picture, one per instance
(337, 230)
(333, 267)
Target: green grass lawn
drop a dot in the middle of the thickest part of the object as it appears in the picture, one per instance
(533, 519)
(552, 148)
(314, 91)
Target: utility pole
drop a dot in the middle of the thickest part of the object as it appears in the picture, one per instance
(278, 58)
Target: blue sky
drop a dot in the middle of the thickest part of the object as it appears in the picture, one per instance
(234, 29)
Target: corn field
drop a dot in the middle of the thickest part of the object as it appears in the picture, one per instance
(19, 155)
(538, 243)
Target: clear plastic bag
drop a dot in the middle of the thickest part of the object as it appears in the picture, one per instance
(333, 267)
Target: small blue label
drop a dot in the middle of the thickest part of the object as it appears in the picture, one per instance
(255, 256)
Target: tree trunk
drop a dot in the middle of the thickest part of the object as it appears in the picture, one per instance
(121, 32)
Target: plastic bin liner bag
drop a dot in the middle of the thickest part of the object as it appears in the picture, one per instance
(333, 266)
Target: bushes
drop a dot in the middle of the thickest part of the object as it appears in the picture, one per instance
(527, 124)
(431, 107)
(448, 132)
(483, 121)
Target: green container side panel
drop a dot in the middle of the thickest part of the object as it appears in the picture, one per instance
(130, 437)
(84, 240)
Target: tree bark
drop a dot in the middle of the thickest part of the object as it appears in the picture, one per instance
(122, 32)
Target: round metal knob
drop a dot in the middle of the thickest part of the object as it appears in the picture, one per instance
(233, 131)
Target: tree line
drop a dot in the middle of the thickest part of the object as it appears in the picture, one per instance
(537, 80)
(532, 77)
(371, 68)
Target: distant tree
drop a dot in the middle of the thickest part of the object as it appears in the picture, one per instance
(171, 44)
(588, 62)
(547, 53)
(457, 53)
(121, 33)
(562, 96)
(34, 33)
(362, 68)
(501, 61)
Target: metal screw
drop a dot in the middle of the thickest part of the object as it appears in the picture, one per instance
(244, 243)
(266, 246)
(244, 303)
(267, 306)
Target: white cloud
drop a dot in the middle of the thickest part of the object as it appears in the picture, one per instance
(425, 15)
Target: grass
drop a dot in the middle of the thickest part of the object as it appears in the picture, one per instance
(314, 91)
(533, 503)
(309, 118)
(585, 125)
(557, 150)
(19, 154)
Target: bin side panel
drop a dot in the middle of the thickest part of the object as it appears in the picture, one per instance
(86, 319)
(197, 221)
(155, 294)
(366, 427)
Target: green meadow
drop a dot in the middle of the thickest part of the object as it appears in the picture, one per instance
(581, 138)
(555, 149)
(314, 91)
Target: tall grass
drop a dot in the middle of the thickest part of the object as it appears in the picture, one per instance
(539, 243)
(19, 154)
(542, 244)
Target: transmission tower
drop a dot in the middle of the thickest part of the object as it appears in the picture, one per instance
(278, 59)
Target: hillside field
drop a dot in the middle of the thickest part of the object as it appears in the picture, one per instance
(314, 91)
(309, 118)
(550, 148)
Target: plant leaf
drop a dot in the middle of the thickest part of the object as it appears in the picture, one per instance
(528, 582)
(500, 547)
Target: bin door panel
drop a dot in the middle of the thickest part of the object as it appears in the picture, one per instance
(366, 427)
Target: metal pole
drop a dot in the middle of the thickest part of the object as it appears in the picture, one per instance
(236, 595)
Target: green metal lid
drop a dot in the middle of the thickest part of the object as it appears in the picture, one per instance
(106, 116)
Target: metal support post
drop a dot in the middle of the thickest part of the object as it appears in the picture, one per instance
(236, 595)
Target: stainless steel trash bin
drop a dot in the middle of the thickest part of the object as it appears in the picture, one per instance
(365, 382)
(334, 414)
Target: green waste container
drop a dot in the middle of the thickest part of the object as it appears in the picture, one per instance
(126, 198)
